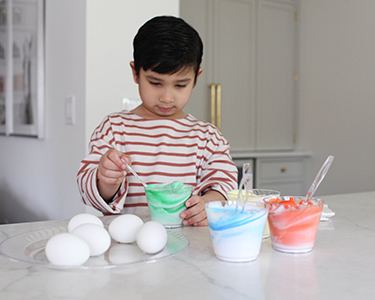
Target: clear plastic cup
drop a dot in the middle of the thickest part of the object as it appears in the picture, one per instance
(293, 223)
(236, 233)
(167, 201)
(256, 197)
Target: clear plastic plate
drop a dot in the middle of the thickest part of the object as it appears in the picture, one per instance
(29, 247)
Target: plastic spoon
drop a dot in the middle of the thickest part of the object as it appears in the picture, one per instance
(247, 173)
(319, 177)
(136, 176)
(245, 183)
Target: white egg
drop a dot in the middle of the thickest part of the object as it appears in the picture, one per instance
(152, 237)
(124, 228)
(66, 249)
(95, 236)
(83, 219)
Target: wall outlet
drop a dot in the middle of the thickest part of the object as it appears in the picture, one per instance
(70, 110)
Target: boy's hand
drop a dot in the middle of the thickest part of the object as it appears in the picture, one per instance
(111, 172)
(195, 213)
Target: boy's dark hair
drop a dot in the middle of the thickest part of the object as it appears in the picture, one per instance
(166, 45)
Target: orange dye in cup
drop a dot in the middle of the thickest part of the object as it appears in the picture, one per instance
(293, 223)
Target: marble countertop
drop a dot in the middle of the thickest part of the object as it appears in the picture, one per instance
(341, 266)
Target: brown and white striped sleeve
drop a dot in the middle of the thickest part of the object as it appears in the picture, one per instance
(101, 141)
(219, 173)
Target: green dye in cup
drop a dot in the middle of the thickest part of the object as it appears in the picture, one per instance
(167, 201)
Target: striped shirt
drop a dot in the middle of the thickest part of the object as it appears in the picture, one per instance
(161, 150)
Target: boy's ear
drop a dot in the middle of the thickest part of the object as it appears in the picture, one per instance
(134, 72)
(200, 71)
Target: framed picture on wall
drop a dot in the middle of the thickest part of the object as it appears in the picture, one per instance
(22, 67)
(3, 64)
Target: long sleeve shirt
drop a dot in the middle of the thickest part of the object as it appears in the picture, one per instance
(161, 151)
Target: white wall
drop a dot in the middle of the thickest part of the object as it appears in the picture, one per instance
(88, 50)
(337, 91)
(111, 27)
(37, 177)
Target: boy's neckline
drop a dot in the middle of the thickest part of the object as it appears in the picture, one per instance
(186, 115)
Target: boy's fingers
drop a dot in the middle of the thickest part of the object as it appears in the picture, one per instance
(201, 223)
(192, 201)
(194, 214)
(190, 211)
(115, 158)
(111, 173)
(196, 219)
(108, 164)
(112, 178)
(194, 206)
(111, 181)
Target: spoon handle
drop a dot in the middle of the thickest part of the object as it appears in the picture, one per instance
(319, 177)
(136, 176)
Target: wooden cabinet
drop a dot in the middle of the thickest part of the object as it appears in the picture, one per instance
(250, 50)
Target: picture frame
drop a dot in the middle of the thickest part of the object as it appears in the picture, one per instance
(22, 68)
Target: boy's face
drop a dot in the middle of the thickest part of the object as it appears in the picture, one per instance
(164, 95)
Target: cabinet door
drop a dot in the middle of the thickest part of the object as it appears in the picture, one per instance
(250, 49)
(276, 68)
(227, 28)
(234, 67)
(195, 12)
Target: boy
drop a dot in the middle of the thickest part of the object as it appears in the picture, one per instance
(157, 138)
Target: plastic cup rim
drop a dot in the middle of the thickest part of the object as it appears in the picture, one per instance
(260, 213)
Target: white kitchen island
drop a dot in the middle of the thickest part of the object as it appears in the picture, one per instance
(341, 266)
